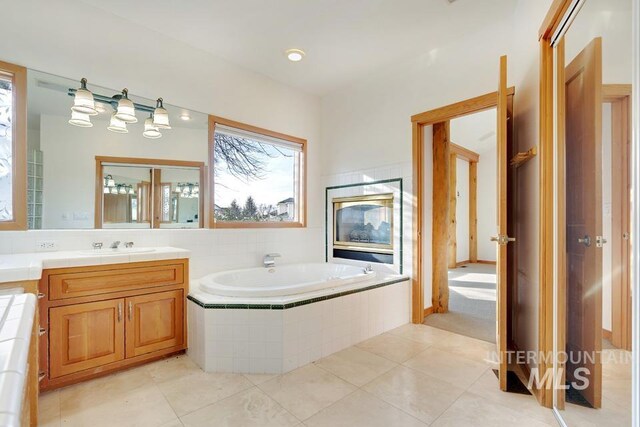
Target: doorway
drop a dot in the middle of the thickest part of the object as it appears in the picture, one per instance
(472, 222)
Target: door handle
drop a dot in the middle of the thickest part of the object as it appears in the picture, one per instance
(586, 240)
(130, 310)
(502, 239)
(119, 312)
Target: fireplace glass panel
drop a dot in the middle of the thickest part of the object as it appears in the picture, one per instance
(364, 223)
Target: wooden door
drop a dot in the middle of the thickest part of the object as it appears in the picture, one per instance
(85, 336)
(154, 322)
(502, 239)
(583, 134)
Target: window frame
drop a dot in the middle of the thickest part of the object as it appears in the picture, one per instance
(18, 75)
(300, 197)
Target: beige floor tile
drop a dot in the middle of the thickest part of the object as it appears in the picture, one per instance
(487, 386)
(472, 410)
(421, 333)
(174, 423)
(307, 390)
(143, 406)
(49, 408)
(258, 379)
(248, 408)
(618, 391)
(192, 392)
(471, 348)
(355, 365)
(610, 415)
(454, 369)
(393, 347)
(361, 409)
(171, 368)
(417, 394)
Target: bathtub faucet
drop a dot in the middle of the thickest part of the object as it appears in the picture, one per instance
(269, 260)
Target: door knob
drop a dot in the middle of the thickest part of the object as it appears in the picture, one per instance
(586, 240)
(502, 239)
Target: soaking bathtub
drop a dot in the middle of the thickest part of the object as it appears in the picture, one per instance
(283, 280)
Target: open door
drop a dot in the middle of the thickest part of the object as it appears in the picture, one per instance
(583, 135)
(502, 239)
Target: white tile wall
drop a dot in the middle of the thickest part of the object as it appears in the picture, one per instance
(277, 341)
(211, 250)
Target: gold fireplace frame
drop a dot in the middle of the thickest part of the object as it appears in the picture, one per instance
(384, 200)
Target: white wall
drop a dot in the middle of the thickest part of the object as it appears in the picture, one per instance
(153, 65)
(487, 203)
(462, 210)
(607, 220)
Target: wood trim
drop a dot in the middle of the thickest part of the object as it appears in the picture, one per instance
(483, 261)
(301, 179)
(460, 263)
(18, 76)
(459, 109)
(428, 311)
(440, 218)
(607, 335)
(417, 286)
(464, 153)
(155, 201)
(473, 211)
(553, 18)
(453, 203)
(615, 92)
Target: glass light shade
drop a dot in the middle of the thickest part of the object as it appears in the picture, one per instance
(161, 116)
(178, 189)
(126, 111)
(80, 120)
(114, 190)
(106, 190)
(110, 182)
(150, 130)
(131, 190)
(83, 102)
(116, 125)
(122, 189)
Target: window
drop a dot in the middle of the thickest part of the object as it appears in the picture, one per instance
(258, 177)
(13, 147)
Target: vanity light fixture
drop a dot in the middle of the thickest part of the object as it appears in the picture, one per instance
(126, 111)
(131, 192)
(83, 102)
(80, 120)
(295, 55)
(150, 130)
(109, 181)
(116, 125)
(161, 116)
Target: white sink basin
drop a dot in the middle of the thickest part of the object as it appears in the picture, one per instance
(119, 251)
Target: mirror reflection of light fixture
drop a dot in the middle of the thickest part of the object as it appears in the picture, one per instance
(126, 111)
(116, 125)
(114, 190)
(109, 181)
(80, 120)
(131, 192)
(106, 190)
(122, 189)
(161, 116)
(83, 102)
(187, 190)
(150, 130)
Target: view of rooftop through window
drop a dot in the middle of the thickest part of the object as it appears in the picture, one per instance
(254, 178)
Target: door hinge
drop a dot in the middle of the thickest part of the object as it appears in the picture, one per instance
(600, 241)
(502, 239)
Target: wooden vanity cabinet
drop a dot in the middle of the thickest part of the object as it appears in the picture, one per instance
(101, 319)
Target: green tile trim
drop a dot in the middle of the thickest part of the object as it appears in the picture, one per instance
(297, 303)
(362, 184)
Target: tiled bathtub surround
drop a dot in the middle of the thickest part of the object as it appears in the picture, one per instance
(211, 250)
(279, 340)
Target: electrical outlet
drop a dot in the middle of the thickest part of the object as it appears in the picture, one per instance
(45, 245)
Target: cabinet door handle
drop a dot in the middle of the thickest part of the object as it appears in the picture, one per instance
(130, 310)
(119, 312)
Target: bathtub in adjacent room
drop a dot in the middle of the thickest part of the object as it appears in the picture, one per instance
(273, 320)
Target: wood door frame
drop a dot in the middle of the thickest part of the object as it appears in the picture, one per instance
(438, 118)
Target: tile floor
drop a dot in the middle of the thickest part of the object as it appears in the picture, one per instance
(414, 375)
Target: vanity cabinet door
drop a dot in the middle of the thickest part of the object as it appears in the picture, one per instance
(154, 322)
(85, 336)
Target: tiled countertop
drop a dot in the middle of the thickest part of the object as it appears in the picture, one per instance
(16, 320)
(29, 266)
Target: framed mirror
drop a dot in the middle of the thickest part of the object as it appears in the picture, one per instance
(148, 193)
(62, 154)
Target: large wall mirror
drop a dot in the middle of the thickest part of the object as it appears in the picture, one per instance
(61, 160)
(592, 81)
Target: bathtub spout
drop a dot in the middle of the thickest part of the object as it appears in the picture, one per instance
(269, 260)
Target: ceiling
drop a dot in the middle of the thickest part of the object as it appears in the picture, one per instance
(343, 39)
(475, 132)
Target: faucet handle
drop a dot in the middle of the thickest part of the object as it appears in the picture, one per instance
(97, 245)
(274, 255)
(128, 244)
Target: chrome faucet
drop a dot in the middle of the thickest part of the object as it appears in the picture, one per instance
(97, 245)
(128, 244)
(269, 260)
(115, 244)
(368, 269)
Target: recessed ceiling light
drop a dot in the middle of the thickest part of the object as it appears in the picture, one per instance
(295, 55)
(185, 116)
